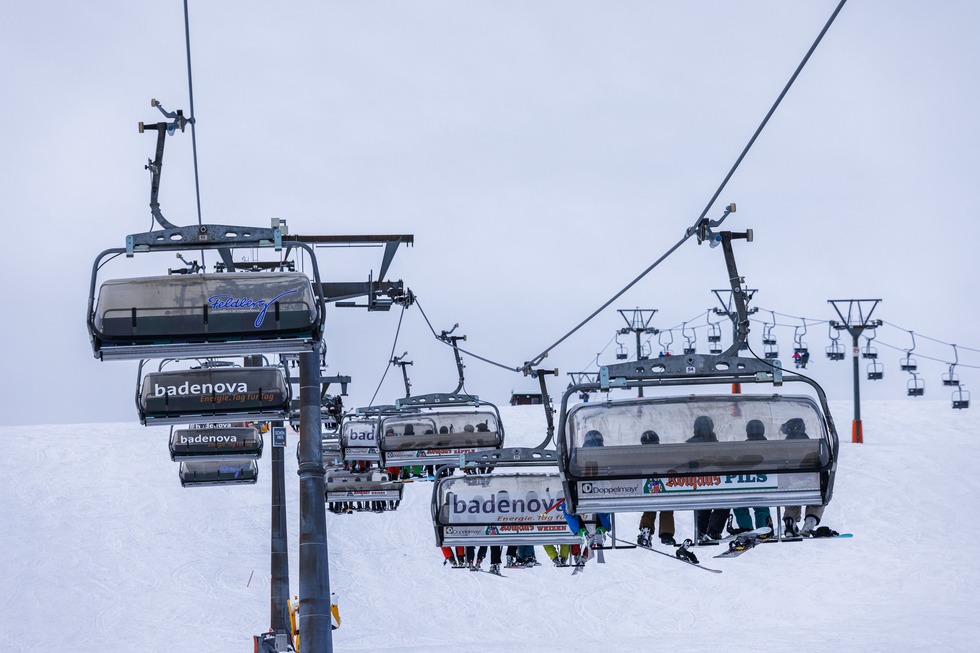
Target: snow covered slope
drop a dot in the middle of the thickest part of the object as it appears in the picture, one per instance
(104, 551)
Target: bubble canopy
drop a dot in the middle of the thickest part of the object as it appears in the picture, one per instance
(205, 314)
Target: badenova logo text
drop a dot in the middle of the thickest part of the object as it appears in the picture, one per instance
(187, 388)
(208, 439)
(500, 504)
(219, 302)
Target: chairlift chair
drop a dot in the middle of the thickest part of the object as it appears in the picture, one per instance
(359, 439)
(770, 351)
(876, 371)
(193, 473)
(215, 441)
(714, 335)
(909, 364)
(199, 315)
(714, 330)
(333, 457)
(212, 394)
(646, 350)
(521, 506)
(961, 398)
(691, 341)
(621, 352)
(444, 427)
(800, 347)
(501, 509)
(870, 352)
(835, 351)
(916, 386)
(369, 490)
(951, 379)
(679, 472)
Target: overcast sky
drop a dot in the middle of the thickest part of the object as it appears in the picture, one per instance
(542, 154)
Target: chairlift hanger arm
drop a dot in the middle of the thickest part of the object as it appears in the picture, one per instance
(453, 342)
(549, 411)
(155, 166)
(400, 361)
(703, 228)
(740, 296)
(391, 291)
(390, 243)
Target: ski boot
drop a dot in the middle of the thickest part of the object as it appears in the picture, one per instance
(643, 539)
(790, 529)
(809, 524)
(684, 552)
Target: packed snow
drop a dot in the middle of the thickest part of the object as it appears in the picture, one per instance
(104, 551)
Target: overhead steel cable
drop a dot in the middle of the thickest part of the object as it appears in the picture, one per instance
(468, 353)
(772, 109)
(697, 223)
(193, 119)
(923, 356)
(391, 356)
(936, 340)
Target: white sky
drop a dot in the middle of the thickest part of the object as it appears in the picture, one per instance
(542, 154)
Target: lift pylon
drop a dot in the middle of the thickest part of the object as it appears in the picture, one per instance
(856, 320)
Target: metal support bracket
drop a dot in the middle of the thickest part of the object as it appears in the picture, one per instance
(207, 236)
